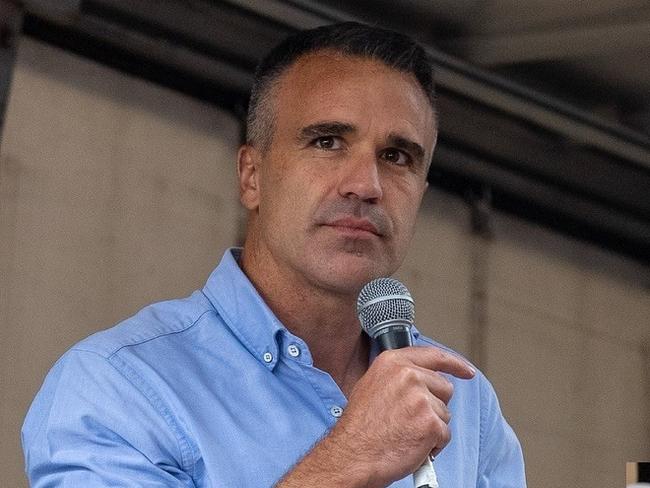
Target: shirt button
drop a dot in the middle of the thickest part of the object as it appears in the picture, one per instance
(268, 357)
(294, 351)
(336, 411)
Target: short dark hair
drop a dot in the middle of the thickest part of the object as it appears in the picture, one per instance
(395, 50)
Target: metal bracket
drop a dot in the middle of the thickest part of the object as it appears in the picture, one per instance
(481, 228)
(11, 17)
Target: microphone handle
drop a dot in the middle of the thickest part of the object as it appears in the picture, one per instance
(394, 337)
(397, 337)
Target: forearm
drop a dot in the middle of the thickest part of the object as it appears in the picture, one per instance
(329, 464)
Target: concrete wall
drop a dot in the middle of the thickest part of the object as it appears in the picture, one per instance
(115, 193)
(565, 330)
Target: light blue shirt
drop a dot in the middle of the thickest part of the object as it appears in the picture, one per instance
(213, 391)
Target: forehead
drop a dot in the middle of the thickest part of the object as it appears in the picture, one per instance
(333, 86)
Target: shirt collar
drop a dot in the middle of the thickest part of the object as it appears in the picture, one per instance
(247, 314)
(243, 309)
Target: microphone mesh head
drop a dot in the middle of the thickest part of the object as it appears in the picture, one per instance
(382, 300)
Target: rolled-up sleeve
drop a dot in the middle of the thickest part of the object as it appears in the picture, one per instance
(95, 425)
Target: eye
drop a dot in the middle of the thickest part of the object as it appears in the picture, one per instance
(327, 143)
(396, 156)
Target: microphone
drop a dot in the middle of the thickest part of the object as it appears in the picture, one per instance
(386, 312)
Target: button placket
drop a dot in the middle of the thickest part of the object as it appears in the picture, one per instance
(322, 383)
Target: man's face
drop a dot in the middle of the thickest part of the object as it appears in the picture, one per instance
(335, 196)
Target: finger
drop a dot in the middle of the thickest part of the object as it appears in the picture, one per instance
(439, 386)
(442, 434)
(436, 359)
(440, 409)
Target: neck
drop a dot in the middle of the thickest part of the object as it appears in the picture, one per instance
(325, 320)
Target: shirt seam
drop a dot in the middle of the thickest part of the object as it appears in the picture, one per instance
(437, 345)
(110, 353)
(482, 422)
(188, 456)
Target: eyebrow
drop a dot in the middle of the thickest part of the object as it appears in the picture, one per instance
(412, 147)
(321, 129)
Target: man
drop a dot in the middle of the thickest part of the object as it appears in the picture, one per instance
(263, 377)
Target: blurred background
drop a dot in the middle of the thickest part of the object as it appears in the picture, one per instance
(120, 122)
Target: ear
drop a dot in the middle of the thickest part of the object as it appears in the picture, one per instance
(248, 159)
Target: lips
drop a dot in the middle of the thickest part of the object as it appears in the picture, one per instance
(354, 225)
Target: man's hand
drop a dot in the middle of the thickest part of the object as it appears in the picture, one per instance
(396, 415)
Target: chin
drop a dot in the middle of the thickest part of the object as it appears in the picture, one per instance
(351, 271)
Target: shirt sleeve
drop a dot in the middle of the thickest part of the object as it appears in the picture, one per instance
(501, 461)
(94, 426)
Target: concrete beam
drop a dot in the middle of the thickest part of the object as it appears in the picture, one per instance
(553, 44)
(62, 11)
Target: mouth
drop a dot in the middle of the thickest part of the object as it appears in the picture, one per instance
(355, 227)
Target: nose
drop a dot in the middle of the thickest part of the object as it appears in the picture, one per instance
(360, 179)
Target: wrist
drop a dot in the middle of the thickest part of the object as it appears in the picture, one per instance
(333, 462)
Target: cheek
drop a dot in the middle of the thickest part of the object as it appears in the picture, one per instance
(286, 204)
(407, 199)
(405, 228)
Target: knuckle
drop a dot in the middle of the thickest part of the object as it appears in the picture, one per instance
(442, 411)
(407, 376)
(440, 431)
(386, 360)
(446, 389)
(450, 388)
(431, 425)
(437, 429)
(419, 407)
(421, 404)
(447, 415)
(390, 355)
(445, 437)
